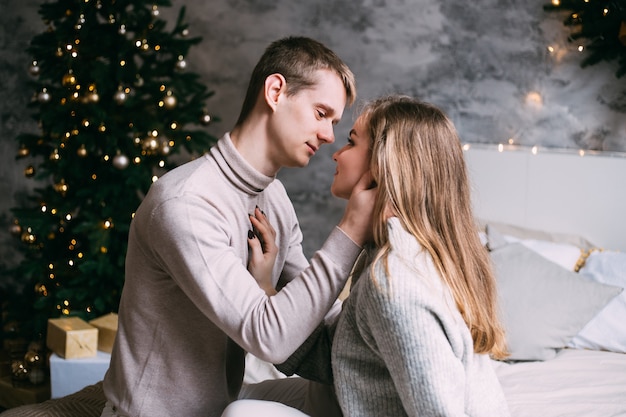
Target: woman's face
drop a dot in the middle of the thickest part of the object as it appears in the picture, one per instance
(352, 160)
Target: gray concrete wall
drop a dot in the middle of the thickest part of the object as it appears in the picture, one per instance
(485, 62)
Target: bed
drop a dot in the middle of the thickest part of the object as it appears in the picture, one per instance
(554, 224)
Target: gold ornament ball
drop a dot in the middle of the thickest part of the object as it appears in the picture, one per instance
(61, 188)
(41, 289)
(29, 238)
(19, 370)
(91, 97)
(23, 151)
(82, 151)
(150, 143)
(32, 358)
(69, 79)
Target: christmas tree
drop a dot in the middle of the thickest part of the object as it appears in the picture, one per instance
(115, 106)
(602, 23)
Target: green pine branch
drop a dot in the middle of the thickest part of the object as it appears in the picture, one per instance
(599, 22)
(114, 102)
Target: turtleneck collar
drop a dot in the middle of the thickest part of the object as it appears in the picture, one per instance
(237, 169)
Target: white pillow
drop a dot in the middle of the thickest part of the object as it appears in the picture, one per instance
(607, 330)
(543, 304)
(561, 253)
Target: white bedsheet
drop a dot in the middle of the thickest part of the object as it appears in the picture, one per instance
(577, 383)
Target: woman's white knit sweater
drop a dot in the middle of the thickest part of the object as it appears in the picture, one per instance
(401, 347)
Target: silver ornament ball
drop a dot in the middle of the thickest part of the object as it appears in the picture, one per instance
(120, 161)
(35, 69)
(119, 97)
(181, 64)
(169, 101)
(205, 119)
(43, 96)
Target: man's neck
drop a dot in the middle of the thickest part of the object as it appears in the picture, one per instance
(253, 145)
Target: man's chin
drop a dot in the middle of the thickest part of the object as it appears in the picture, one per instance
(301, 164)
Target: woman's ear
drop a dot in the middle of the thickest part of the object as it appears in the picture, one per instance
(275, 86)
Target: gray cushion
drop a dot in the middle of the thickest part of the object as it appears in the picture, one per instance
(543, 305)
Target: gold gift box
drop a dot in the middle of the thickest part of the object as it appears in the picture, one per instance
(107, 329)
(72, 337)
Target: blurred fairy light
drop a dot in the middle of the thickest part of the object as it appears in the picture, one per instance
(534, 99)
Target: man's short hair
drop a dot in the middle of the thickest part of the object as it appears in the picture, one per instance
(296, 58)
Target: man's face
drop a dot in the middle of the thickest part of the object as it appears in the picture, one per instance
(305, 121)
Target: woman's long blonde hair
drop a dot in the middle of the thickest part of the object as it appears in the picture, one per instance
(418, 164)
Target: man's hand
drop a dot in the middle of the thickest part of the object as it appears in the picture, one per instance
(263, 251)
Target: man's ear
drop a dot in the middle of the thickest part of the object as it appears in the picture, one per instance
(275, 86)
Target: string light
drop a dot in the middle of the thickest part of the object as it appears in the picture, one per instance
(83, 136)
(534, 100)
(536, 150)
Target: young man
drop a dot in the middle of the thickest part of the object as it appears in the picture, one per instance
(190, 308)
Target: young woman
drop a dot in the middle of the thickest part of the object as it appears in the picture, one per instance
(416, 334)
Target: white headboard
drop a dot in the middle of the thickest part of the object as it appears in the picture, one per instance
(560, 192)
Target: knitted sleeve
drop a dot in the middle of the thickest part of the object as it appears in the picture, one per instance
(312, 359)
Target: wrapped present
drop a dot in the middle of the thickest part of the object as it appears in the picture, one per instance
(107, 329)
(72, 337)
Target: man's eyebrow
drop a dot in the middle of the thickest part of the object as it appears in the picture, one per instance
(330, 112)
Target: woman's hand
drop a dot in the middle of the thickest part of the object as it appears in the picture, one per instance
(263, 251)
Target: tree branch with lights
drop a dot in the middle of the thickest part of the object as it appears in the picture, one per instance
(114, 102)
(602, 23)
